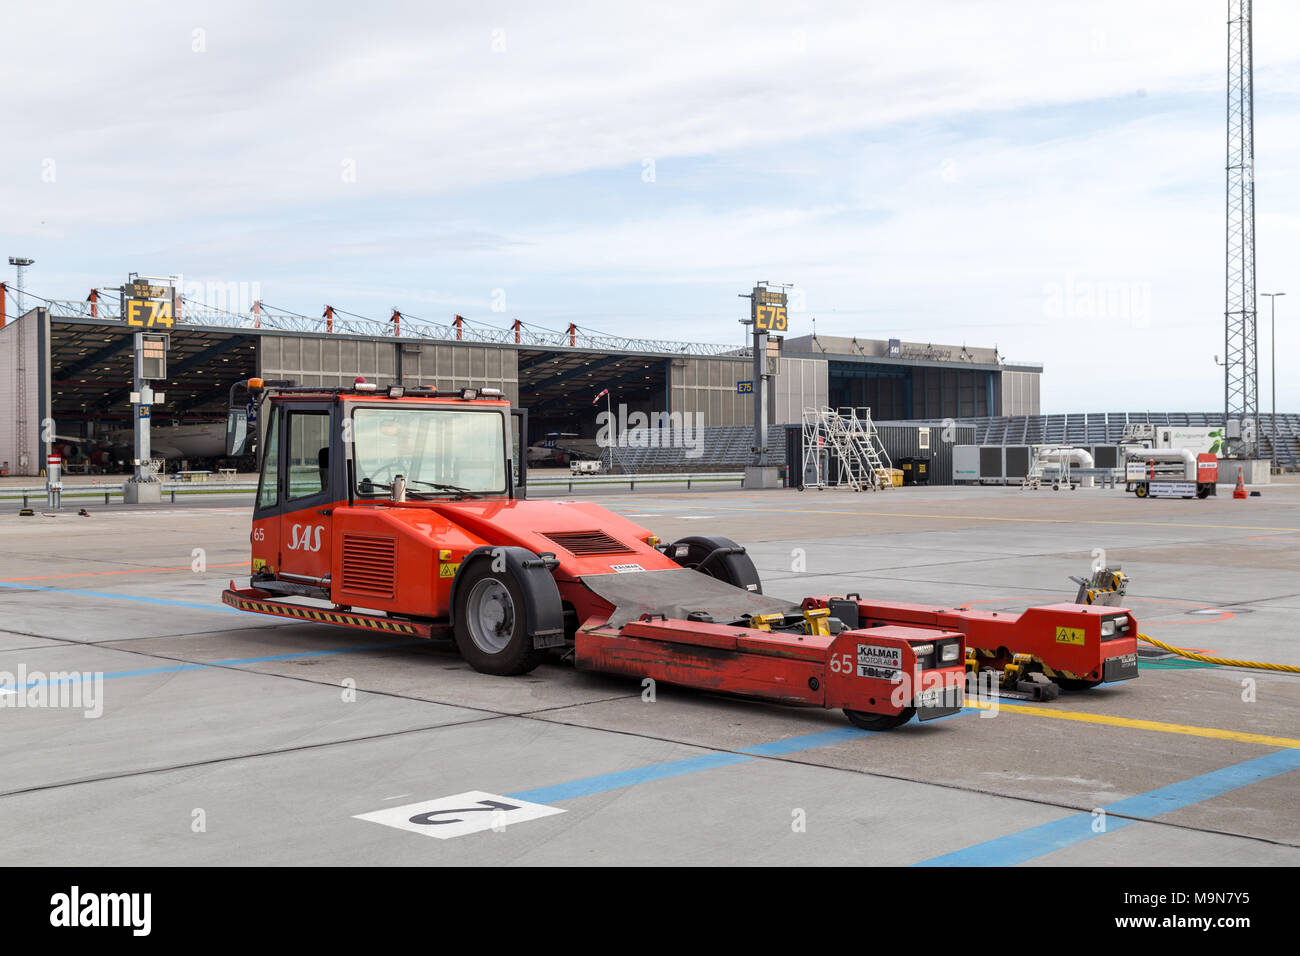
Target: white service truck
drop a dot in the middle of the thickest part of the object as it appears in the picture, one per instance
(1199, 440)
(1170, 472)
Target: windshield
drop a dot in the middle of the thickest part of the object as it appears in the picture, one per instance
(439, 451)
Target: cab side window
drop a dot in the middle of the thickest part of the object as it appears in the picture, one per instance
(268, 490)
(308, 453)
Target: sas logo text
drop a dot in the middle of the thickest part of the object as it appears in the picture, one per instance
(305, 537)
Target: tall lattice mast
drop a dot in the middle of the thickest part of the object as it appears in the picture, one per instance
(1241, 363)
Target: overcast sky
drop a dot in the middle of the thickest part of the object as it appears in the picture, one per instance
(1046, 177)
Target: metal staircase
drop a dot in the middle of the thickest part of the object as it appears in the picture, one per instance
(848, 436)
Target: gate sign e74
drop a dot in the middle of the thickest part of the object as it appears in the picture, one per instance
(147, 306)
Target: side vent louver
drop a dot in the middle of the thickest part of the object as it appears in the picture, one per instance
(369, 565)
(588, 542)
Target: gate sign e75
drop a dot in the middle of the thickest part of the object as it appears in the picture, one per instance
(768, 309)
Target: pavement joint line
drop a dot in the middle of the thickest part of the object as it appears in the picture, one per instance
(83, 676)
(138, 598)
(1107, 719)
(1038, 841)
(1046, 589)
(1132, 723)
(772, 750)
(233, 665)
(112, 642)
(91, 574)
(230, 758)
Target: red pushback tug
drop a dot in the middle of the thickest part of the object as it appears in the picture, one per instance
(403, 511)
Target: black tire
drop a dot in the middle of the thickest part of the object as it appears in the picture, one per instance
(478, 589)
(1140, 491)
(865, 721)
(735, 569)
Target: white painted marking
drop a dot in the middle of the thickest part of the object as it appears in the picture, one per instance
(459, 814)
(690, 517)
(398, 797)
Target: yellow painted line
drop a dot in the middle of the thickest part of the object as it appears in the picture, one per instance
(904, 514)
(1214, 733)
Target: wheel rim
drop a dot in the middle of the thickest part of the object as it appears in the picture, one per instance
(490, 613)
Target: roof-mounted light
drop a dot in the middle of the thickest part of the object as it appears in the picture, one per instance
(364, 386)
(468, 394)
(396, 391)
(489, 393)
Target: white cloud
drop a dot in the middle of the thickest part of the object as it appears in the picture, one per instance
(962, 209)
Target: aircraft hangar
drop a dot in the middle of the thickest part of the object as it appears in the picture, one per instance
(68, 365)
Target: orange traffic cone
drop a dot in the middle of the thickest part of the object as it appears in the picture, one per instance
(1240, 490)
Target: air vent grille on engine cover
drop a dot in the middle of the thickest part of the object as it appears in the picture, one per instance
(369, 565)
(588, 542)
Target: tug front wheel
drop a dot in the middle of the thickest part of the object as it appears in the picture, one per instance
(865, 721)
(491, 624)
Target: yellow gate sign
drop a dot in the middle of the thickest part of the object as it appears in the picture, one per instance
(769, 310)
(147, 306)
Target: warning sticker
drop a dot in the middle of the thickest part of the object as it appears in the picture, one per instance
(1069, 635)
(626, 567)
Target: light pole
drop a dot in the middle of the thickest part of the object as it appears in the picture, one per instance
(20, 264)
(1272, 428)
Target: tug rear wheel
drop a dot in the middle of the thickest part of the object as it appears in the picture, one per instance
(491, 622)
(866, 721)
(737, 569)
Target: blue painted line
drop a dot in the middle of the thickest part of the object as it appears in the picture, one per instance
(795, 744)
(1058, 834)
(1213, 784)
(587, 786)
(627, 778)
(82, 676)
(140, 599)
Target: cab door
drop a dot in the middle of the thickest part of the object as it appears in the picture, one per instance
(268, 504)
(307, 494)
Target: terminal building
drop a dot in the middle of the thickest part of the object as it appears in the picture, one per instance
(66, 375)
